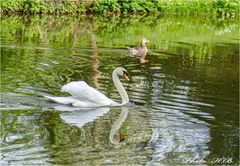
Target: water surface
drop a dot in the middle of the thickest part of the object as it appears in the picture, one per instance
(185, 93)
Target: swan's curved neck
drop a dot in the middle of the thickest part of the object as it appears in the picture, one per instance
(120, 88)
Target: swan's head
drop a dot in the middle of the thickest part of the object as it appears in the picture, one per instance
(122, 72)
(144, 40)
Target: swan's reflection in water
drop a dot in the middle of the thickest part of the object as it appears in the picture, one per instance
(81, 116)
(115, 136)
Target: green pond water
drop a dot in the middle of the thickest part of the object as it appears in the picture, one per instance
(184, 95)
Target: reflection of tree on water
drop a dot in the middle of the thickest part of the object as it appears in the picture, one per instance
(75, 31)
(96, 73)
(94, 57)
(79, 28)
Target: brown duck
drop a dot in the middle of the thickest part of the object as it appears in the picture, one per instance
(141, 51)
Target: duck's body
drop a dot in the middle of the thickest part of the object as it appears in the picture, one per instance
(138, 51)
(82, 95)
(141, 51)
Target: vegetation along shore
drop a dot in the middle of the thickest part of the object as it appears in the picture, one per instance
(223, 8)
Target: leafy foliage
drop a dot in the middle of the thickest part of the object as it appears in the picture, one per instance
(224, 8)
(43, 6)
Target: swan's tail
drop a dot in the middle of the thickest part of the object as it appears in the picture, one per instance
(62, 100)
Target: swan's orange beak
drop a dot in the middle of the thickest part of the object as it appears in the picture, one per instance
(125, 75)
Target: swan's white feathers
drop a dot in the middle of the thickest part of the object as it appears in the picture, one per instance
(86, 94)
(84, 104)
(63, 100)
(82, 95)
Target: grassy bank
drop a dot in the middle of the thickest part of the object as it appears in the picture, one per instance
(226, 8)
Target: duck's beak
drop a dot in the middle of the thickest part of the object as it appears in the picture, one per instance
(125, 75)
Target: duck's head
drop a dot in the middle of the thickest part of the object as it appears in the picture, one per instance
(144, 40)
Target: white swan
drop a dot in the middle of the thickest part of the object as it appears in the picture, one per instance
(85, 96)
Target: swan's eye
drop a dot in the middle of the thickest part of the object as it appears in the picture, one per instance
(125, 73)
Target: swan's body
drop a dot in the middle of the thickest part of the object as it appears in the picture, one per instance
(82, 95)
(141, 51)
